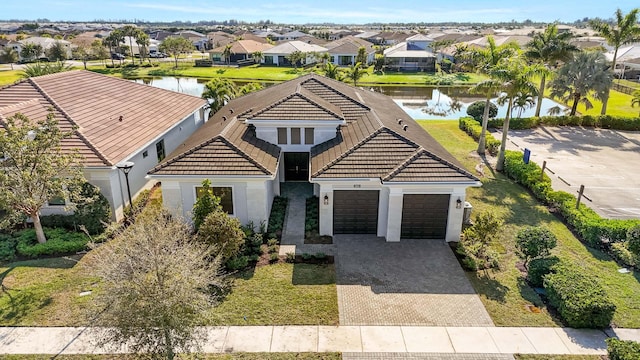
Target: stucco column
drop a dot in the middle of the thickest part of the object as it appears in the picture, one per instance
(326, 210)
(257, 202)
(454, 220)
(394, 219)
(172, 198)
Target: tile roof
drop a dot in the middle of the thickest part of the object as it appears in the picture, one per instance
(378, 140)
(243, 47)
(295, 45)
(114, 117)
(349, 45)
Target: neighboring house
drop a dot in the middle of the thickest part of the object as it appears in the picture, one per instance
(154, 45)
(118, 120)
(10, 43)
(344, 51)
(272, 35)
(46, 44)
(160, 35)
(199, 40)
(521, 40)
(627, 62)
(219, 38)
(277, 55)
(375, 170)
(340, 34)
(240, 50)
(312, 40)
(292, 35)
(415, 54)
(388, 38)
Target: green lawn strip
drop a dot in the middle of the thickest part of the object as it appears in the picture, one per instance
(44, 293)
(8, 77)
(416, 78)
(229, 356)
(556, 357)
(619, 105)
(631, 84)
(281, 294)
(503, 292)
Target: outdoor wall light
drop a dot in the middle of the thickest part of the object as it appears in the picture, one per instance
(458, 203)
(326, 199)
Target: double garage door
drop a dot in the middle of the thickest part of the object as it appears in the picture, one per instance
(423, 216)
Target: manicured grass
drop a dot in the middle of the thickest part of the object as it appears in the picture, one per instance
(417, 78)
(230, 356)
(503, 292)
(557, 357)
(8, 77)
(632, 84)
(619, 105)
(281, 294)
(44, 292)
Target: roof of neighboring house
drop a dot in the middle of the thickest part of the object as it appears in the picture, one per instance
(482, 42)
(294, 34)
(419, 37)
(115, 117)
(309, 40)
(190, 33)
(349, 45)
(243, 47)
(295, 45)
(367, 34)
(625, 53)
(400, 51)
(371, 143)
(456, 37)
(43, 41)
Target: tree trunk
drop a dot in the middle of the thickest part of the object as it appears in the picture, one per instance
(505, 132)
(11, 66)
(176, 58)
(85, 64)
(540, 95)
(485, 122)
(574, 106)
(168, 344)
(38, 227)
(606, 95)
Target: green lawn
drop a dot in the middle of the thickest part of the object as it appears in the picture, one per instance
(8, 77)
(281, 294)
(557, 357)
(416, 78)
(230, 356)
(503, 292)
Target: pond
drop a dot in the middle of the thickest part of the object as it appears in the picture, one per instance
(418, 102)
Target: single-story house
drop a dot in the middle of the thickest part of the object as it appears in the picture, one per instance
(153, 46)
(240, 50)
(374, 169)
(219, 38)
(344, 51)
(627, 62)
(292, 35)
(277, 55)
(199, 40)
(46, 43)
(415, 54)
(118, 120)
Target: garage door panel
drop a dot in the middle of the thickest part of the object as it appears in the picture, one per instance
(424, 216)
(355, 211)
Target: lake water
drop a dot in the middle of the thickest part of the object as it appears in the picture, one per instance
(418, 102)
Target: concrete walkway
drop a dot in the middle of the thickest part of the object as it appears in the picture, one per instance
(353, 340)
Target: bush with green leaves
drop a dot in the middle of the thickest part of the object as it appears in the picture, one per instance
(476, 110)
(622, 349)
(620, 251)
(59, 242)
(633, 239)
(94, 211)
(471, 127)
(206, 204)
(580, 300)
(276, 217)
(599, 121)
(535, 242)
(222, 233)
(476, 241)
(539, 268)
(7, 247)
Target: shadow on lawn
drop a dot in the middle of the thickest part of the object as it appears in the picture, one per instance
(308, 274)
(488, 286)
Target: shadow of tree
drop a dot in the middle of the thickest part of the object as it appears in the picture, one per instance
(308, 274)
(489, 287)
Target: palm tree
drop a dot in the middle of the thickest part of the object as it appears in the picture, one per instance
(30, 51)
(332, 71)
(356, 72)
(226, 53)
(636, 98)
(218, 92)
(516, 77)
(549, 48)
(132, 32)
(143, 45)
(523, 101)
(112, 41)
(625, 29)
(9, 55)
(257, 56)
(485, 61)
(587, 74)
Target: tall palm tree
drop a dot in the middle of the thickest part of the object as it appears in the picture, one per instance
(226, 53)
(9, 55)
(485, 62)
(356, 72)
(113, 41)
(30, 51)
(257, 56)
(132, 32)
(218, 92)
(549, 48)
(587, 74)
(143, 45)
(636, 98)
(331, 71)
(625, 30)
(516, 77)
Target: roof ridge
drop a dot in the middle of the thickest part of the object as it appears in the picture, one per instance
(86, 141)
(297, 93)
(246, 156)
(418, 154)
(16, 105)
(183, 154)
(348, 152)
(315, 78)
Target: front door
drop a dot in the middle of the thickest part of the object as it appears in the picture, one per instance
(296, 166)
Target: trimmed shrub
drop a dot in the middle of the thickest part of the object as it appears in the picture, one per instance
(223, 234)
(237, 263)
(621, 253)
(622, 350)
(633, 239)
(93, 212)
(471, 127)
(476, 240)
(276, 217)
(602, 121)
(476, 110)
(538, 268)
(580, 299)
(59, 242)
(7, 247)
(534, 242)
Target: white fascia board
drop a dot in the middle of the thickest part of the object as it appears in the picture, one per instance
(431, 183)
(297, 123)
(226, 177)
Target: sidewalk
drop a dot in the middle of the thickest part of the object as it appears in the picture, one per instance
(346, 339)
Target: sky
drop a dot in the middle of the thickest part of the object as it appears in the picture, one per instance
(316, 11)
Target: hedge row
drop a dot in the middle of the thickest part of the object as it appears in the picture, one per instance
(623, 350)
(580, 299)
(601, 121)
(474, 129)
(591, 228)
(25, 244)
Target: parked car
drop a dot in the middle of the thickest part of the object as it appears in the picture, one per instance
(117, 56)
(157, 54)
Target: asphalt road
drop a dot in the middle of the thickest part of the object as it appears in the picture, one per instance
(606, 162)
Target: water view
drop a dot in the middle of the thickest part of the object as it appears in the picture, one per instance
(418, 102)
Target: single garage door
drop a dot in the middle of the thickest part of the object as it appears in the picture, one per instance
(355, 211)
(424, 216)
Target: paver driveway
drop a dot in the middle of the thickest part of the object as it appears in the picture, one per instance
(413, 282)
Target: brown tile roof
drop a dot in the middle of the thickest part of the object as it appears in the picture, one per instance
(379, 139)
(243, 47)
(114, 117)
(348, 45)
